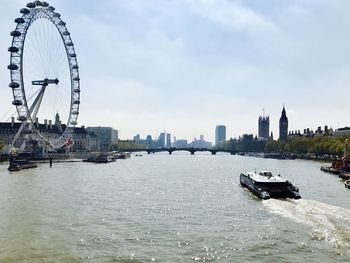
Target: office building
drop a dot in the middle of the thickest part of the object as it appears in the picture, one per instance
(164, 140)
(220, 134)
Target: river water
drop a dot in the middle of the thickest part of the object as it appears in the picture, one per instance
(170, 208)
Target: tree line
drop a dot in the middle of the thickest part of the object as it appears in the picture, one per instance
(127, 144)
(319, 145)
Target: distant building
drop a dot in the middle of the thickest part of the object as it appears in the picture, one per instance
(137, 138)
(342, 132)
(283, 125)
(220, 134)
(295, 133)
(164, 140)
(248, 143)
(180, 144)
(307, 132)
(201, 143)
(149, 141)
(84, 141)
(106, 135)
(264, 127)
(325, 132)
(58, 122)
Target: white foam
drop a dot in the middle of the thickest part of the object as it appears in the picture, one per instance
(326, 222)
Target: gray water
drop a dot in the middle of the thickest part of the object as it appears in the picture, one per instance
(170, 208)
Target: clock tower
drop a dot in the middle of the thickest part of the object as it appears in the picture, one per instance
(283, 125)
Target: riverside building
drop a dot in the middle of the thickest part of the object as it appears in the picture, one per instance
(106, 135)
(83, 141)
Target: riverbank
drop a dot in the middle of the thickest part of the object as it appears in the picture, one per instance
(71, 157)
(291, 156)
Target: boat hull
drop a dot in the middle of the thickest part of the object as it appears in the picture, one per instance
(20, 164)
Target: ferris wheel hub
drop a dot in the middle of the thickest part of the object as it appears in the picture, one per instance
(45, 82)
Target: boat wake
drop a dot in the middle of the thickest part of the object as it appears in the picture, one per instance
(327, 222)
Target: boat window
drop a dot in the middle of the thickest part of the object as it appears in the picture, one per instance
(267, 174)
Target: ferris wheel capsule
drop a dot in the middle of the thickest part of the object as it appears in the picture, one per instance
(12, 67)
(17, 102)
(14, 85)
(19, 20)
(13, 49)
(25, 11)
(38, 3)
(15, 33)
(31, 5)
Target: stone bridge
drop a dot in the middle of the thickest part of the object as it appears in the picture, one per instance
(172, 149)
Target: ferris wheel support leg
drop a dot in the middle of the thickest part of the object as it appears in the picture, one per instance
(35, 107)
(10, 146)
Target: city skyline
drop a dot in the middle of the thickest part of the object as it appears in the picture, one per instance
(186, 66)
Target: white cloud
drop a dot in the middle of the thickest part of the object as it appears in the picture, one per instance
(231, 14)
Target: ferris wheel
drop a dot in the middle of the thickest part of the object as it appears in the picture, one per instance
(44, 75)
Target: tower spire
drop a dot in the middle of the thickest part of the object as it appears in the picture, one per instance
(283, 125)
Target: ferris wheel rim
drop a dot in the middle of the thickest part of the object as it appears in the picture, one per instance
(34, 11)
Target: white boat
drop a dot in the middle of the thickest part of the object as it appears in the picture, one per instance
(266, 185)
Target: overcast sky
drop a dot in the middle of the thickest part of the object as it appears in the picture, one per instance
(185, 66)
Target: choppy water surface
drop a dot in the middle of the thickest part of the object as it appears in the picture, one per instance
(178, 208)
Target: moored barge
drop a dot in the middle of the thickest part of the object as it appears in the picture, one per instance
(19, 164)
(105, 157)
